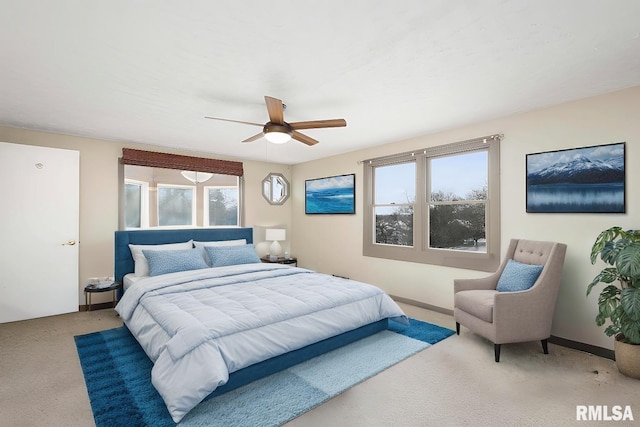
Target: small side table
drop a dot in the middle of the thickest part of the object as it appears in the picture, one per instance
(293, 262)
(93, 288)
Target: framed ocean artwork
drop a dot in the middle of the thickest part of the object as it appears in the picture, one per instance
(330, 195)
(586, 180)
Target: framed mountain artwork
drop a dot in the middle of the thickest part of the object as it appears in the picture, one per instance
(587, 180)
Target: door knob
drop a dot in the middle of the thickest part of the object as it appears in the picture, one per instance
(70, 243)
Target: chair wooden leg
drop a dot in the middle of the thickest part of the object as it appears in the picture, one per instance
(457, 328)
(544, 347)
(496, 350)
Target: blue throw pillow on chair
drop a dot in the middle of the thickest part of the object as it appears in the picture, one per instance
(517, 276)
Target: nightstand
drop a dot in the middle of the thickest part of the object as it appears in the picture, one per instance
(93, 288)
(293, 262)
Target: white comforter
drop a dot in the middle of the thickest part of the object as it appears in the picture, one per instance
(199, 326)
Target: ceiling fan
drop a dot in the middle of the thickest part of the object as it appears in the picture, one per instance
(278, 131)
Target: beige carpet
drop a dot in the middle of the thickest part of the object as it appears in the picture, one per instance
(454, 383)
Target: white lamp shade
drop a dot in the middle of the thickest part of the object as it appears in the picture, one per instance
(276, 234)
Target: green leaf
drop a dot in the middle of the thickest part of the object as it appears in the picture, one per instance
(608, 275)
(600, 319)
(604, 237)
(631, 329)
(616, 320)
(630, 301)
(610, 251)
(610, 291)
(611, 331)
(628, 260)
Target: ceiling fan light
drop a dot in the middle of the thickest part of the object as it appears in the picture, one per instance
(277, 137)
(197, 177)
(276, 133)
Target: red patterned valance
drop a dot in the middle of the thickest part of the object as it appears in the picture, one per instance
(176, 161)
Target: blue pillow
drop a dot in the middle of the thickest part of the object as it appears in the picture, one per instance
(231, 255)
(171, 261)
(517, 276)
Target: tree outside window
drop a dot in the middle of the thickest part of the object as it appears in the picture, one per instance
(222, 206)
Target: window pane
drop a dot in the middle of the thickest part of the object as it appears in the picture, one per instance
(133, 205)
(394, 225)
(175, 206)
(458, 226)
(460, 177)
(278, 188)
(395, 184)
(223, 206)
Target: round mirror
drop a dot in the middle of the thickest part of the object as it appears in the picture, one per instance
(275, 188)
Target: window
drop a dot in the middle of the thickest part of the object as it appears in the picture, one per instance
(221, 206)
(275, 188)
(439, 205)
(394, 199)
(458, 201)
(176, 205)
(136, 195)
(171, 190)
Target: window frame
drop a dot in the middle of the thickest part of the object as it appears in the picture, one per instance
(144, 202)
(420, 252)
(268, 188)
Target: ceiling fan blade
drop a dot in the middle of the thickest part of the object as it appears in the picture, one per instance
(316, 124)
(235, 121)
(275, 110)
(254, 137)
(303, 138)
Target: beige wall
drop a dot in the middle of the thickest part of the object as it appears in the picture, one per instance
(333, 244)
(99, 197)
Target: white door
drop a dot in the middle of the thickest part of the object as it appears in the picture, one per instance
(39, 204)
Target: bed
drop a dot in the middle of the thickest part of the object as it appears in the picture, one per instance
(216, 327)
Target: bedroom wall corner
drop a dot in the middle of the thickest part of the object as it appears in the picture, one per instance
(258, 213)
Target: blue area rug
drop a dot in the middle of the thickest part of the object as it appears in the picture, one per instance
(117, 373)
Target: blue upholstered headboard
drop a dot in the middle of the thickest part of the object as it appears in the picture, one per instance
(124, 260)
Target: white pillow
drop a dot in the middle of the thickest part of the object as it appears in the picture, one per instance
(201, 245)
(140, 262)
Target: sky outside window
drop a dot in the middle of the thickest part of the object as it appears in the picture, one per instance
(395, 184)
(459, 174)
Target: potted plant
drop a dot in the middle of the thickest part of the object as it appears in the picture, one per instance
(619, 301)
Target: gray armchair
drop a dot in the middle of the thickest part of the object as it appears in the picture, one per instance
(512, 317)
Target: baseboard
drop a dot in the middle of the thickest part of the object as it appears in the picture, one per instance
(588, 348)
(422, 305)
(575, 345)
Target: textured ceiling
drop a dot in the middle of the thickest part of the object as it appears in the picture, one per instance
(149, 71)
